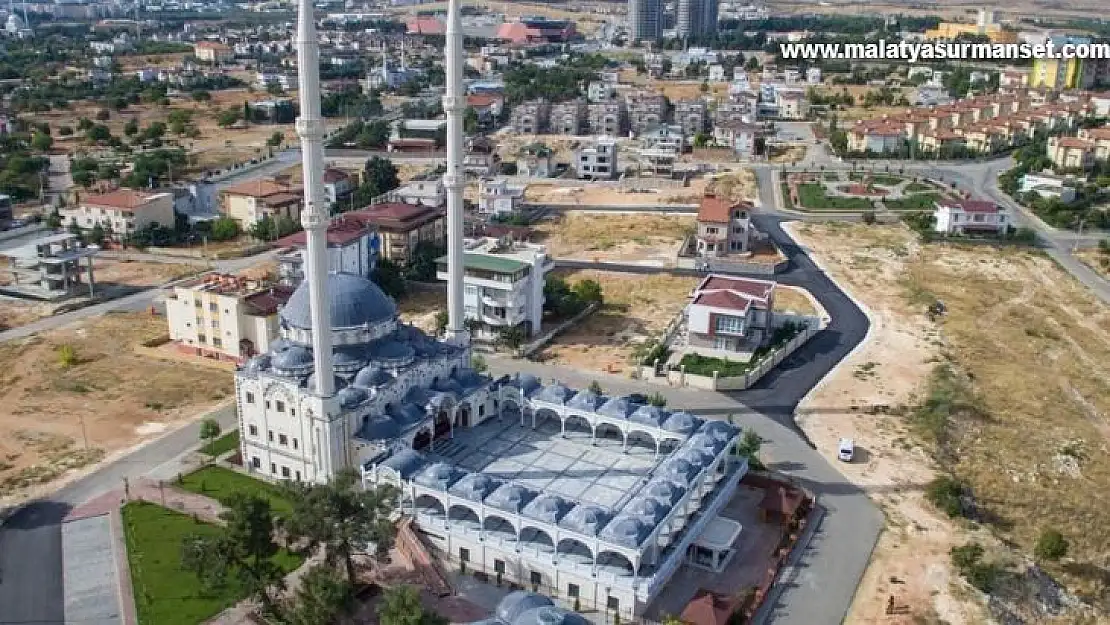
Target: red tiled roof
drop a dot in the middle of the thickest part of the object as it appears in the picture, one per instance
(397, 215)
(1073, 142)
(723, 299)
(269, 301)
(760, 289)
(482, 99)
(341, 231)
(126, 199)
(718, 210)
(425, 26)
(972, 206)
(260, 188)
(708, 608)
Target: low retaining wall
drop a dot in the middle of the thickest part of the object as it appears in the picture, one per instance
(739, 383)
(15, 233)
(527, 350)
(720, 265)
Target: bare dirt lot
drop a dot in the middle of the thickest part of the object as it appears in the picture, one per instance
(631, 193)
(625, 238)
(636, 308)
(88, 380)
(1016, 371)
(419, 307)
(1097, 260)
(114, 278)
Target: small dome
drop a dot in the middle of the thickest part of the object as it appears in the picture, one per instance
(406, 463)
(349, 358)
(518, 602)
(527, 383)
(618, 407)
(547, 507)
(586, 518)
(664, 490)
(392, 353)
(649, 415)
(372, 376)
(587, 400)
(475, 486)
(510, 497)
(350, 397)
(439, 476)
(720, 430)
(681, 423)
(625, 530)
(353, 302)
(549, 615)
(379, 428)
(258, 363)
(294, 360)
(338, 383)
(650, 510)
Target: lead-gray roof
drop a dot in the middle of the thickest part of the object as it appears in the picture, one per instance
(372, 376)
(586, 400)
(379, 428)
(353, 301)
(390, 352)
(406, 463)
(295, 359)
(665, 490)
(618, 407)
(554, 394)
(702, 440)
(528, 383)
(626, 530)
(651, 511)
(474, 486)
(350, 397)
(681, 423)
(349, 358)
(586, 519)
(510, 497)
(649, 415)
(680, 470)
(406, 413)
(550, 615)
(720, 430)
(439, 476)
(518, 602)
(547, 507)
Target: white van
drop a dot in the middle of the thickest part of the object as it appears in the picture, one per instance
(846, 450)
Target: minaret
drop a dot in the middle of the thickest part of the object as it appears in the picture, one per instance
(314, 215)
(454, 104)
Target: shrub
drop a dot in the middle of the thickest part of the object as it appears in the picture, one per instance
(946, 494)
(1051, 545)
(869, 217)
(67, 356)
(968, 561)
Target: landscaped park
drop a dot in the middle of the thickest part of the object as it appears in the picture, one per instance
(860, 192)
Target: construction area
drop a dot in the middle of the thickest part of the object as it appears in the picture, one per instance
(79, 394)
(1017, 347)
(630, 238)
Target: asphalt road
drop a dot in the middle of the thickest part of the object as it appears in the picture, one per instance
(31, 585)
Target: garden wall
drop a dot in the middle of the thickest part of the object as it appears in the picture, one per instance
(770, 361)
(527, 350)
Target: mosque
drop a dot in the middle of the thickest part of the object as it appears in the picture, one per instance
(598, 499)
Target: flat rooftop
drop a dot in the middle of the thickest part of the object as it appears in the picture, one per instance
(543, 460)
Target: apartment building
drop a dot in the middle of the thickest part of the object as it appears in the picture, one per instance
(597, 161)
(645, 20)
(213, 52)
(739, 136)
(352, 245)
(251, 201)
(121, 212)
(50, 267)
(608, 118)
(497, 197)
(692, 115)
(225, 317)
(530, 118)
(568, 118)
(402, 227)
(1071, 152)
(647, 111)
(503, 286)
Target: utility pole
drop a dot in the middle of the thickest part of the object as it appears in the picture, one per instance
(1078, 233)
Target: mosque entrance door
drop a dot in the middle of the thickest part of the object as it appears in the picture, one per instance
(464, 416)
(443, 424)
(422, 439)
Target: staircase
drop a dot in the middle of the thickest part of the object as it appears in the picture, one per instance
(448, 448)
(410, 545)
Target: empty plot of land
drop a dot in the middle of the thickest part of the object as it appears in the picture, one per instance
(72, 396)
(1019, 419)
(629, 193)
(643, 239)
(637, 308)
(420, 307)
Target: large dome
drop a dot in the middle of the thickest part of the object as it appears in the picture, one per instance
(353, 300)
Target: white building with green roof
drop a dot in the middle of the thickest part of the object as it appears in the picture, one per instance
(503, 286)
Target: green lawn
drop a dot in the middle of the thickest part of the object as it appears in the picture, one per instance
(696, 364)
(832, 177)
(222, 445)
(917, 202)
(164, 593)
(812, 196)
(918, 187)
(887, 180)
(218, 483)
(786, 196)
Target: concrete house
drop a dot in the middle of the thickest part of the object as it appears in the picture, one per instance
(402, 227)
(536, 161)
(251, 201)
(353, 244)
(724, 227)
(568, 118)
(497, 197)
(960, 217)
(531, 118)
(597, 161)
(608, 118)
(121, 212)
(730, 317)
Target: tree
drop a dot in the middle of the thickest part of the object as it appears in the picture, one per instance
(657, 399)
(324, 596)
(422, 265)
(54, 220)
(381, 175)
(442, 319)
(244, 547)
(41, 142)
(228, 117)
(131, 128)
(65, 131)
(98, 133)
(470, 120)
(96, 234)
(588, 291)
(201, 95)
(868, 217)
(701, 140)
(224, 229)
(595, 387)
(103, 115)
(84, 124)
(1051, 545)
(387, 275)
(749, 448)
(401, 605)
(209, 430)
(478, 363)
(275, 139)
(341, 518)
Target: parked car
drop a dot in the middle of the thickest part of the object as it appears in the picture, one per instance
(846, 450)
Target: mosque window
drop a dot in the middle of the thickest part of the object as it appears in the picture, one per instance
(253, 429)
(280, 406)
(250, 398)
